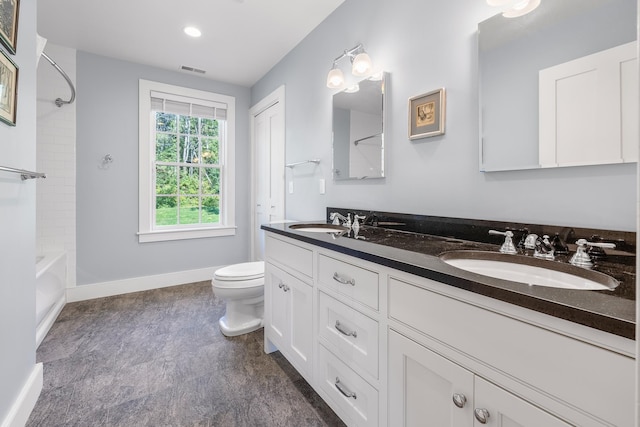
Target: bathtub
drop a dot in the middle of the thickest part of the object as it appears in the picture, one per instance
(51, 284)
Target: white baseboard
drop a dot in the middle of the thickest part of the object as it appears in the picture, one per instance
(45, 324)
(137, 284)
(26, 401)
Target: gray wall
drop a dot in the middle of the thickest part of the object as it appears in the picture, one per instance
(17, 225)
(107, 199)
(426, 44)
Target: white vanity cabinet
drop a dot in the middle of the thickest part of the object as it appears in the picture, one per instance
(387, 348)
(428, 389)
(289, 304)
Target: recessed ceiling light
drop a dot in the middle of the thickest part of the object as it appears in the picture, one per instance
(192, 31)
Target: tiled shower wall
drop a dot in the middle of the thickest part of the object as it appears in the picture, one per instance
(56, 156)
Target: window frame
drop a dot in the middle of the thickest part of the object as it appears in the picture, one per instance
(147, 231)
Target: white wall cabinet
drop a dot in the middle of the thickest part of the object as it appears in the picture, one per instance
(428, 389)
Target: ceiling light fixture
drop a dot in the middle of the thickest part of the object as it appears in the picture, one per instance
(515, 8)
(361, 66)
(192, 31)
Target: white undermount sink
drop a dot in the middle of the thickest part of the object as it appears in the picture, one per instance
(529, 270)
(319, 228)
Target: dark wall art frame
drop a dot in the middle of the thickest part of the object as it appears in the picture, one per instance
(9, 24)
(8, 89)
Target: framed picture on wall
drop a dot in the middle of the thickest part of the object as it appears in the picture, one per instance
(8, 89)
(426, 114)
(9, 23)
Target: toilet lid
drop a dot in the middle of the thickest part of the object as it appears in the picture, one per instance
(243, 271)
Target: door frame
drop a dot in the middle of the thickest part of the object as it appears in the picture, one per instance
(275, 97)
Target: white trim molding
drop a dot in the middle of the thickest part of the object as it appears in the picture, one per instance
(147, 231)
(21, 409)
(138, 284)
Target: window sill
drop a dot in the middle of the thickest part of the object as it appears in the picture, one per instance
(185, 234)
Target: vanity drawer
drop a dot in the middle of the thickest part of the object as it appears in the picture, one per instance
(355, 282)
(290, 255)
(357, 399)
(353, 335)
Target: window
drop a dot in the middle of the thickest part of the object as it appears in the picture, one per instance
(186, 163)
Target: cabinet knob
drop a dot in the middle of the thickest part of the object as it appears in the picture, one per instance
(459, 400)
(283, 286)
(482, 415)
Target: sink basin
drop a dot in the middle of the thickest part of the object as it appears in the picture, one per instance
(529, 270)
(319, 228)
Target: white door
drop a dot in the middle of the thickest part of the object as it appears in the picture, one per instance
(267, 125)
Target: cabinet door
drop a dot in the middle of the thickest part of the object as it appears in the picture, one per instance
(423, 386)
(300, 322)
(503, 409)
(276, 306)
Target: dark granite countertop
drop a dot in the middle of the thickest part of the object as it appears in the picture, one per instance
(611, 311)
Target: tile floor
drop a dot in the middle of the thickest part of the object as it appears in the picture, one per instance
(157, 358)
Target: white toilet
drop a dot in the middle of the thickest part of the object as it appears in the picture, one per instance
(241, 286)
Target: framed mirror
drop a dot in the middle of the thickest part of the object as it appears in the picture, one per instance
(525, 119)
(358, 130)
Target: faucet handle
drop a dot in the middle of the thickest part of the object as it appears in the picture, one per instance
(581, 258)
(507, 247)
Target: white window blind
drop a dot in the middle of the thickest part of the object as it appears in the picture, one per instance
(184, 106)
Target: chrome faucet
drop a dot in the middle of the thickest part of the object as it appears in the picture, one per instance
(355, 226)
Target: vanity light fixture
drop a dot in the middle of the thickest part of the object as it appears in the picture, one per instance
(192, 31)
(515, 8)
(361, 66)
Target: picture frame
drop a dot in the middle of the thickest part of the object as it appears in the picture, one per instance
(9, 24)
(8, 89)
(427, 114)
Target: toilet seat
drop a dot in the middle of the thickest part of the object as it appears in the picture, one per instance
(244, 275)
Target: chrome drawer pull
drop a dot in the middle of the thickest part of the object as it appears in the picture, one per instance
(482, 415)
(342, 280)
(340, 327)
(345, 391)
(283, 286)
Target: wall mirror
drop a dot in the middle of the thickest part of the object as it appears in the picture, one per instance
(358, 130)
(517, 118)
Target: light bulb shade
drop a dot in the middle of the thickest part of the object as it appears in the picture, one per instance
(361, 65)
(521, 8)
(497, 2)
(335, 78)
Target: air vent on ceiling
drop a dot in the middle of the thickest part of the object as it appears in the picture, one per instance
(193, 70)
